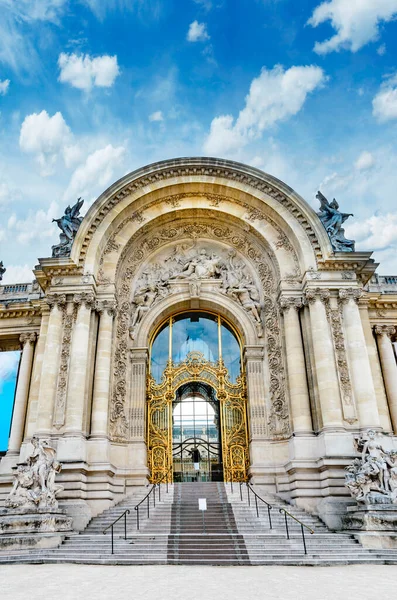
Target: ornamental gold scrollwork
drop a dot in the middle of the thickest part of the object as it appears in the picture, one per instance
(233, 412)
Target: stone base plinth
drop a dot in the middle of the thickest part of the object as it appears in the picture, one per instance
(374, 525)
(22, 528)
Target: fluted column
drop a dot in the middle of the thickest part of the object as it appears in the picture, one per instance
(49, 375)
(138, 459)
(389, 367)
(297, 379)
(324, 359)
(100, 401)
(22, 391)
(84, 303)
(360, 369)
(373, 355)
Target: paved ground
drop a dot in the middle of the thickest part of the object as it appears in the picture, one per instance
(67, 582)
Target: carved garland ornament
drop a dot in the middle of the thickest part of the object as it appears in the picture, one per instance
(278, 411)
(251, 180)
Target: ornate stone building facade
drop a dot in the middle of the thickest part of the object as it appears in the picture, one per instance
(216, 242)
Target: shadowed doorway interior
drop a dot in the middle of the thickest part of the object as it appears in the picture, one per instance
(196, 443)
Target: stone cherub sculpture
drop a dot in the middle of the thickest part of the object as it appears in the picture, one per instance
(372, 479)
(2, 270)
(69, 224)
(332, 219)
(34, 485)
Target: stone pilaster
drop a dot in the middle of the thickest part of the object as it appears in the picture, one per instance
(100, 401)
(324, 359)
(297, 380)
(22, 391)
(360, 370)
(253, 357)
(138, 461)
(84, 303)
(389, 367)
(51, 359)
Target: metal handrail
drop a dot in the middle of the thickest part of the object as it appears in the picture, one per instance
(286, 513)
(125, 513)
(152, 490)
(281, 510)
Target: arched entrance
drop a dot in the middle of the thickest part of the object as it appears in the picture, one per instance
(196, 400)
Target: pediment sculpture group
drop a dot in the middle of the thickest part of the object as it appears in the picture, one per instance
(34, 484)
(182, 265)
(372, 479)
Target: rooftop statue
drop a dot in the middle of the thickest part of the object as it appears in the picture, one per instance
(332, 219)
(2, 270)
(69, 224)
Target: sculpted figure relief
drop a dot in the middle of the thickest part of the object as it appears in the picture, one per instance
(187, 263)
(68, 224)
(34, 485)
(332, 219)
(372, 479)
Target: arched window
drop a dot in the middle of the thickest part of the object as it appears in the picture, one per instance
(192, 331)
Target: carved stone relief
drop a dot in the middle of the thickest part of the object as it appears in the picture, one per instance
(152, 284)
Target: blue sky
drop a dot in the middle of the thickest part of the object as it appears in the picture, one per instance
(93, 89)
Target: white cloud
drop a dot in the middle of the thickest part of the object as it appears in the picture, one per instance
(97, 171)
(17, 274)
(205, 4)
(197, 32)
(384, 104)
(84, 72)
(378, 232)
(156, 116)
(9, 362)
(35, 226)
(365, 161)
(45, 137)
(274, 96)
(4, 85)
(356, 22)
(381, 50)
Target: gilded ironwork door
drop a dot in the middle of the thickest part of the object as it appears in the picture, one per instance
(233, 413)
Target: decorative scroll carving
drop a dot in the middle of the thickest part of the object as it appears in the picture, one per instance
(69, 225)
(34, 484)
(60, 400)
(335, 319)
(372, 479)
(332, 219)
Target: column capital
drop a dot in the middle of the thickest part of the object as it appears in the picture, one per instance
(109, 306)
(253, 353)
(386, 330)
(28, 338)
(84, 298)
(138, 355)
(288, 302)
(58, 300)
(313, 294)
(348, 294)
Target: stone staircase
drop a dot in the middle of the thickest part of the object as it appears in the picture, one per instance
(234, 534)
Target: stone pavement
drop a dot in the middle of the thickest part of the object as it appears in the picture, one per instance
(67, 582)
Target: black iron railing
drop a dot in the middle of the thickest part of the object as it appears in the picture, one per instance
(111, 526)
(287, 515)
(152, 493)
